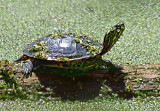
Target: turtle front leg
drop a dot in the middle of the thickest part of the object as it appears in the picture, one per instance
(108, 65)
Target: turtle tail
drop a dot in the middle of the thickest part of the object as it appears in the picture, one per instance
(111, 37)
(22, 58)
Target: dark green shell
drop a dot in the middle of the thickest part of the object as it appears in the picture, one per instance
(63, 47)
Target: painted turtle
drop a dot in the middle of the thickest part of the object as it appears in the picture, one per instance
(69, 51)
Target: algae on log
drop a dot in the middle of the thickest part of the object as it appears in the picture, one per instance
(143, 77)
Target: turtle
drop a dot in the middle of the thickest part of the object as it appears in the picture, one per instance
(69, 51)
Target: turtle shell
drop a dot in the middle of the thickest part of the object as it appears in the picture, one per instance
(65, 47)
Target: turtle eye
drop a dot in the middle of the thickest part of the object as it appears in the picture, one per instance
(119, 26)
(118, 30)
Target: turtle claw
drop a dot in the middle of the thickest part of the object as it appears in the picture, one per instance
(26, 68)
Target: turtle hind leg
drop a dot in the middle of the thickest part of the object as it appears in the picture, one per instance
(26, 65)
(26, 68)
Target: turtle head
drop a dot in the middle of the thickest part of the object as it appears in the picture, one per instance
(112, 36)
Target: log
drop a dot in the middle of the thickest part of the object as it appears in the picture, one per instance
(139, 77)
(136, 78)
